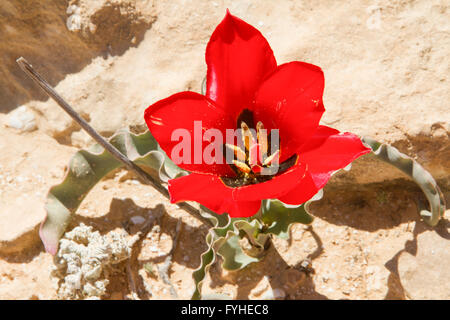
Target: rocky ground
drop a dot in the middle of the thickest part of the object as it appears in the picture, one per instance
(387, 76)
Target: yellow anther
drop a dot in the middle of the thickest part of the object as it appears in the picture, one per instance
(242, 166)
(272, 158)
(247, 137)
(240, 154)
(259, 126)
(262, 138)
(253, 155)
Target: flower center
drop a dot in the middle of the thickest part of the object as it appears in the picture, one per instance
(256, 157)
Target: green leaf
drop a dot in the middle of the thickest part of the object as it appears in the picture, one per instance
(416, 172)
(221, 224)
(88, 167)
(255, 232)
(223, 240)
(279, 216)
(234, 258)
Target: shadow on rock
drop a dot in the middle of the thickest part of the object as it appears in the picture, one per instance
(396, 288)
(272, 278)
(38, 31)
(370, 207)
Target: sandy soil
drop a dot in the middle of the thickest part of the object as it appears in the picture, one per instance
(386, 67)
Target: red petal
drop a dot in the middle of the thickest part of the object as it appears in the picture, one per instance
(273, 188)
(291, 100)
(329, 150)
(212, 193)
(179, 111)
(306, 189)
(238, 58)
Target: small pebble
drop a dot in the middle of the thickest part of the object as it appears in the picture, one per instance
(137, 219)
(22, 119)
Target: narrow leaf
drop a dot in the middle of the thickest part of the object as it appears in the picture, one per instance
(87, 168)
(280, 217)
(417, 173)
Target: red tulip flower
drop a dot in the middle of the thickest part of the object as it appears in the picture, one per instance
(246, 89)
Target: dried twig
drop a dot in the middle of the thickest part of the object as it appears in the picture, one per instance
(132, 282)
(138, 237)
(164, 269)
(33, 74)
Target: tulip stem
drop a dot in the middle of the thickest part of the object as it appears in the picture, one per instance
(33, 74)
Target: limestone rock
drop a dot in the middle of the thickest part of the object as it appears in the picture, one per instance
(31, 166)
(391, 86)
(22, 119)
(427, 275)
(62, 37)
(376, 279)
(82, 259)
(264, 291)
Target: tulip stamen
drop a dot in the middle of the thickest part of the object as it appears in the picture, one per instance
(261, 135)
(247, 136)
(242, 166)
(252, 164)
(238, 152)
(272, 159)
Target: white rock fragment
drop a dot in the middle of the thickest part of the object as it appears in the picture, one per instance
(73, 281)
(83, 256)
(73, 22)
(279, 293)
(21, 179)
(80, 139)
(264, 291)
(22, 119)
(137, 219)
